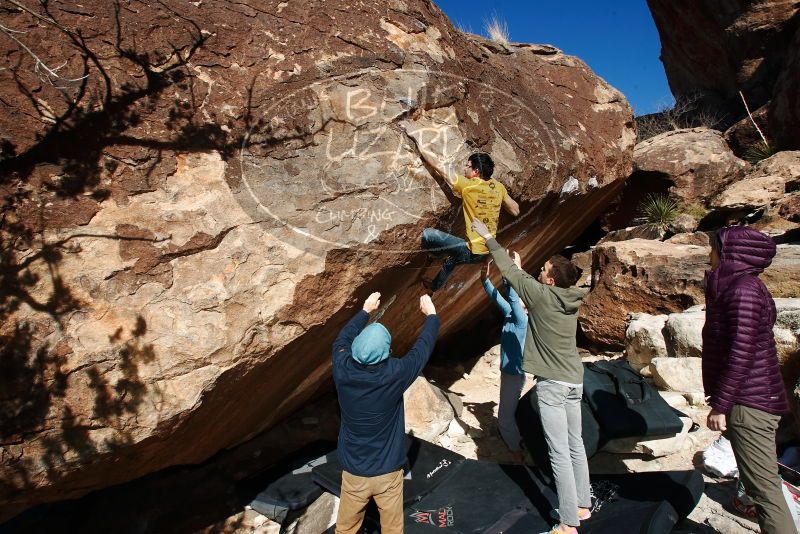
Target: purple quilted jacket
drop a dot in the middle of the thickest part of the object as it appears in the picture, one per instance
(740, 362)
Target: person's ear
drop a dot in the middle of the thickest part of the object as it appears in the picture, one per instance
(550, 281)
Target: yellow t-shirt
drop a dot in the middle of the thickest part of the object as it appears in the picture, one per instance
(481, 199)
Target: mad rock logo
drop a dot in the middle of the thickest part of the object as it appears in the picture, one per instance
(440, 518)
(337, 162)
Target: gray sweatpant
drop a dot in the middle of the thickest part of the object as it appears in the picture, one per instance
(560, 410)
(510, 392)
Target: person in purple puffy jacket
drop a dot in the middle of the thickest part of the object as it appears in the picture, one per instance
(741, 375)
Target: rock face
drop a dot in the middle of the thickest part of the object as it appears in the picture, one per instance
(640, 276)
(717, 48)
(784, 109)
(782, 278)
(655, 277)
(769, 183)
(644, 339)
(682, 335)
(677, 374)
(206, 191)
(697, 161)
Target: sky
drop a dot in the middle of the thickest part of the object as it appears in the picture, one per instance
(618, 39)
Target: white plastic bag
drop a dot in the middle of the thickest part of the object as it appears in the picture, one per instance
(718, 459)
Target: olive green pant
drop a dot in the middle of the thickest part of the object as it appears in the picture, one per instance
(387, 490)
(752, 436)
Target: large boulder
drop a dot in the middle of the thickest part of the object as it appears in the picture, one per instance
(782, 277)
(784, 109)
(200, 196)
(765, 185)
(697, 162)
(716, 48)
(640, 276)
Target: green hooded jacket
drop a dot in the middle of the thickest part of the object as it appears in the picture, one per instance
(550, 350)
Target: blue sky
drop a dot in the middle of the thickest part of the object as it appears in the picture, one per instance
(618, 39)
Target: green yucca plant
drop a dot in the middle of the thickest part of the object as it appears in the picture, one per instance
(658, 210)
(758, 151)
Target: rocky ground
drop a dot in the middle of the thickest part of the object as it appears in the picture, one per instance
(478, 389)
(473, 389)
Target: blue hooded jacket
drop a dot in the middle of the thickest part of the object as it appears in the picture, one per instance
(372, 432)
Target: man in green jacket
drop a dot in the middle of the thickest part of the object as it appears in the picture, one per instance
(551, 354)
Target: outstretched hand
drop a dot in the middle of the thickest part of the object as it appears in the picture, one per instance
(426, 305)
(481, 229)
(517, 260)
(486, 268)
(372, 303)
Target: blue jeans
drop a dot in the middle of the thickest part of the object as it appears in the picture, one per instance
(458, 253)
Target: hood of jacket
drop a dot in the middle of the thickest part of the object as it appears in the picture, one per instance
(742, 250)
(570, 298)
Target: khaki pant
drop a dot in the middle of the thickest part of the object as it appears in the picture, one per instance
(752, 436)
(387, 490)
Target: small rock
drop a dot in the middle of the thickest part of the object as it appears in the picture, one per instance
(318, 517)
(683, 333)
(455, 429)
(695, 398)
(683, 224)
(428, 412)
(643, 339)
(677, 374)
(674, 399)
(695, 238)
(656, 446)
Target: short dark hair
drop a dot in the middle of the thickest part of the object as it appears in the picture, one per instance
(563, 271)
(482, 163)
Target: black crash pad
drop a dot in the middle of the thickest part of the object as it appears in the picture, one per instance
(481, 497)
(428, 465)
(288, 486)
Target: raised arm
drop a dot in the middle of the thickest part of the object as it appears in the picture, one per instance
(517, 311)
(344, 341)
(417, 358)
(492, 291)
(427, 156)
(529, 288)
(448, 175)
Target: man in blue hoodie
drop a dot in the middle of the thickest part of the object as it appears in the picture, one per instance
(370, 387)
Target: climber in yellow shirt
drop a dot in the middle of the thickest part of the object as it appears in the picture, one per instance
(482, 198)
